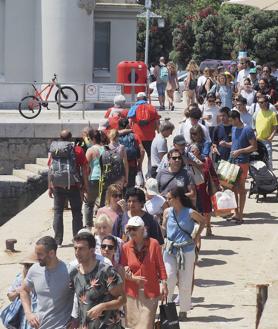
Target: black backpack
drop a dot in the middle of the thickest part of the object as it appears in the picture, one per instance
(111, 165)
(128, 141)
(63, 170)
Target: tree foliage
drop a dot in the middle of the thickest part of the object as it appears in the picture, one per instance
(203, 29)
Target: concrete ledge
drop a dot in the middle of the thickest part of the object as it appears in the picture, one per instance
(32, 129)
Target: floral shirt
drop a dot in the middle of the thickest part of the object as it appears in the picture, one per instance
(92, 289)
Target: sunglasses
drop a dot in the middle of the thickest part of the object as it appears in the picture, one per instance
(218, 102)
(176, 158)
(260, 102)
(117, 195)
(132, 228)
(265, 71)
(109, 246)
(211, 100)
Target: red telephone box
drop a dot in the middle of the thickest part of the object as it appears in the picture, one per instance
(125, 72)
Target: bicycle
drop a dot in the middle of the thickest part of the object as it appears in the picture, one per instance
(30, 106)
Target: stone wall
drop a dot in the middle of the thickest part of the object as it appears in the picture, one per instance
(17, 195)
(16, 152)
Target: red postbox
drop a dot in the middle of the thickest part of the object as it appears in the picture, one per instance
(129, 70)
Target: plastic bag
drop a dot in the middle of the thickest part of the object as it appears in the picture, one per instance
(227, 173)
(139, 179)
(177, 96)
(223, 202)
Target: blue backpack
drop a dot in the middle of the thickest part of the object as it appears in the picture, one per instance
(163, 74)
(128, 141)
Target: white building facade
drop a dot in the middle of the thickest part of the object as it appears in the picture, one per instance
(79, 40)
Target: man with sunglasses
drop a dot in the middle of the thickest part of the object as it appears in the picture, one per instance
(245, 116)
(265, 123)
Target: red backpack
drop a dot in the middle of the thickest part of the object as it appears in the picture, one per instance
(143, 116)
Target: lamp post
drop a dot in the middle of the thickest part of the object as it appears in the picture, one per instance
(148, 15)
(148, 5)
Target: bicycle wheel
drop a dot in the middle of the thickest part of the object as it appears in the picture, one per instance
(69, 97)
(29, 107)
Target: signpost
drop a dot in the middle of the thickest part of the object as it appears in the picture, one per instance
(99, 92)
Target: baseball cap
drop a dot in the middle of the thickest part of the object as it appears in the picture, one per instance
(135, 221)
(179, 140)
(141, 94)
(151, 186)
(253, 70)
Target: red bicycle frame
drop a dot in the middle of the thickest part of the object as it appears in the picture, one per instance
(38, 93)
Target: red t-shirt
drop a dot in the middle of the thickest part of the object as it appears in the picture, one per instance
(123, 112)
(147, 132)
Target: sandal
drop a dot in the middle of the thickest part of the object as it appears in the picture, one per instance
(239, 221)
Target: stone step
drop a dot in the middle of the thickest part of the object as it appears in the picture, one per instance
(11, 179)
(36, 168)
(42, 161)
(25, 174)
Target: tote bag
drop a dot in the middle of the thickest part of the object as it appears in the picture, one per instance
(168, 317)
(228, 173)
(10, 315)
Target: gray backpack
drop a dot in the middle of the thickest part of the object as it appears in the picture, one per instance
(63, 170)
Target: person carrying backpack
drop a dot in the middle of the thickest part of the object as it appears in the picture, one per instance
(67, 179)
(144, 122)
(161, 74)
(113, 165)
(134, 150)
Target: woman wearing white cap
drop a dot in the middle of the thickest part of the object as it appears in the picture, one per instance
(144, 267)
(179, 254)
(155, 203)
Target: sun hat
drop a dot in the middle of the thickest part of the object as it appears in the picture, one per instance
(141, 94)
(179, 140)
(135, 221)
(151, 186)
(30, 259)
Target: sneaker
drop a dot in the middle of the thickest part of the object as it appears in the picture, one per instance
(182, 316)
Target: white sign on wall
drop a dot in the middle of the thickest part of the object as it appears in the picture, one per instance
(102, 92)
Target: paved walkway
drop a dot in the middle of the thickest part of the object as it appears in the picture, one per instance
(230, 263)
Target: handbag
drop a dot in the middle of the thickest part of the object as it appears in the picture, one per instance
(10, 315)
(212, 188)
(195, 174)
(168, 317)
(223, 202)
(228, 173)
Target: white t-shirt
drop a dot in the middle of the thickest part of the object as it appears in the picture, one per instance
(213, 112)
(254, 108)
(154, 205)
(249, 96)
(242, 75)
(184, 129)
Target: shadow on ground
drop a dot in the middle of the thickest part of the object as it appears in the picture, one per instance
(207, 262)
(212, 318)
(226, 237)
(215, 307)
(226, 252)
(212, 283)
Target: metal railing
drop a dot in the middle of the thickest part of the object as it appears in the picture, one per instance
(104, 93)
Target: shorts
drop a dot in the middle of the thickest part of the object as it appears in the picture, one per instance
(244, 170)
(161, 87)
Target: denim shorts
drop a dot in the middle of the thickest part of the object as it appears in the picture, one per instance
(161, 87)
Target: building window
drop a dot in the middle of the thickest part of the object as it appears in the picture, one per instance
(2, 36)
(102, 46)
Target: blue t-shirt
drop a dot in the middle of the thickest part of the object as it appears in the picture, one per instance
(240, 139)
(174, 233)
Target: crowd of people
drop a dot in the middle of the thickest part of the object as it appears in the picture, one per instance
(141, 232)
